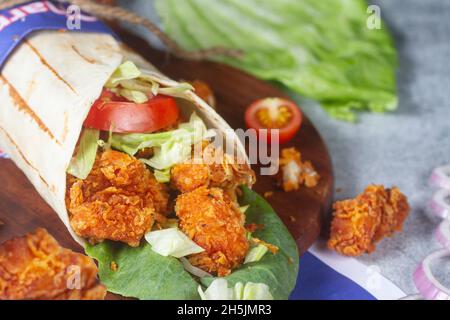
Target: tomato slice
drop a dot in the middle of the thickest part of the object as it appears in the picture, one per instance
(112, 111)
(274, 114)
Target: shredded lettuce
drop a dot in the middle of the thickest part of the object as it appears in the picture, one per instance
(137, 85)
(218, 290)
(133, 95)
(81, 164)
(169, 154)
(238, 291)
(320, 49)
(126, 71)
(193, 270)
(256, 291)
(256, 253)
(178, 91)
(172, 242)
(162, 176)
(243, 208)
(170, 147)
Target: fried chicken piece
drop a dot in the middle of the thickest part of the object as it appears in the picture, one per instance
(119, 200)
(35, 266)
(215, 223)
(395, 211)
(212, 168)
(190, 176)
(361, 222)
(294, 172)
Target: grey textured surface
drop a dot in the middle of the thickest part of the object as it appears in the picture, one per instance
(399, 148)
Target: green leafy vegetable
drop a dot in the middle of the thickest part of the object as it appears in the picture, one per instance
(178, 91)
(193, 269)
(255, 291)
(144, 274)
(136, 85)
(162, 176)
(172, 242)
(243, 209)
(133, 95)
(320, 49)
(256, 253)
(126, 71)
(170, 147)
(81, 164)
(218, 290)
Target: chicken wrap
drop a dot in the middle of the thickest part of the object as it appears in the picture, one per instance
(130, 161)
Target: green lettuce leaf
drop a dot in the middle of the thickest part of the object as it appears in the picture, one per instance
(162, 176)
(172, 242)
(170, 147)
(81, 164)
(144, 274)
(126, 71)
(320, 49)
(256, 253)
(133, 95)
(137, 85)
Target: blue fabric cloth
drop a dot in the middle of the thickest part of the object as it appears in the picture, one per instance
(318, 281)
(19, 21)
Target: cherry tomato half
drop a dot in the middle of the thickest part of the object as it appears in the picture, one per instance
(274, 113)
(125, 116)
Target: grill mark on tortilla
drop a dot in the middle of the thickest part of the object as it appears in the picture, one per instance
(66, 127)
(23, 106)
(52, 70)
(23, 156)
(30, 89)
(82, 56)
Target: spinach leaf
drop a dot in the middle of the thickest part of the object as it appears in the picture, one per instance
(141, 273)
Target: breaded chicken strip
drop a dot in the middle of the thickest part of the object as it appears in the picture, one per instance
(215, 223)
(119, 200)
(213, 168)
(36, 267)
(359, 223)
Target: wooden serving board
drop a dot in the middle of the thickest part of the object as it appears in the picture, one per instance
(304, 211)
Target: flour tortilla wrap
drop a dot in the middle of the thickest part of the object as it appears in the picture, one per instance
(47, 87)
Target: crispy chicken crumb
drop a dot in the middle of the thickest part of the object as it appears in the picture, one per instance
(36, 267)
(113, 266)
(272, 248)
(268, 194)
(294, 172)
(253, 227)
(359, 223)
